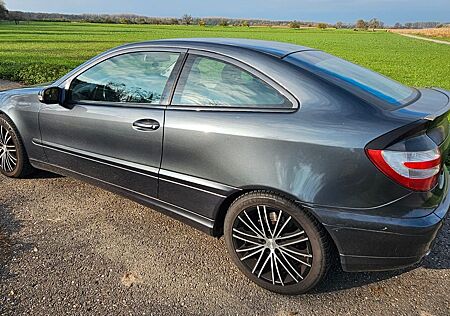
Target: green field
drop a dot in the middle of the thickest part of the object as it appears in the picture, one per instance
(43, 51)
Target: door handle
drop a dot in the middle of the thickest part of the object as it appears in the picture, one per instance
(146, 125)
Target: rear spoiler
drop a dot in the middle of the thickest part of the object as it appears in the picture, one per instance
(443, 110)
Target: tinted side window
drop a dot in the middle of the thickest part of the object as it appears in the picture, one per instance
(206, 81)
(130, 78)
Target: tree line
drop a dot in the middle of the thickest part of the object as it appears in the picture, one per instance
(187, 19)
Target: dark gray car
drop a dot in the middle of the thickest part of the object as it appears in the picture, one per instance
(292, 154)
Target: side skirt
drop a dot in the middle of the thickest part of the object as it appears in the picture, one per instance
(197, 221)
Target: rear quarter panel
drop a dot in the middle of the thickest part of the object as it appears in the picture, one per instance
(315, 154)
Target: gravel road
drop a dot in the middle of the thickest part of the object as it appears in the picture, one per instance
(68, 248)
(424, 38)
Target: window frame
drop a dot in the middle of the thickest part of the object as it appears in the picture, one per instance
(167, 92)
(295, 105)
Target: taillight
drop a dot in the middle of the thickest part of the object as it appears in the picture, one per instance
(415, 170)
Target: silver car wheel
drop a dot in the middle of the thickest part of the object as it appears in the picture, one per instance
(8, 151)
(272, 245)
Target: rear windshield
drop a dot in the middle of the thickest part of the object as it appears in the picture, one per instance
(368, 81)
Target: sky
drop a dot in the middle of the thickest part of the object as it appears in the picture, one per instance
(389, 11)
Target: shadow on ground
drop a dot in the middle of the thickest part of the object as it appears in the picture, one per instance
(42, 174)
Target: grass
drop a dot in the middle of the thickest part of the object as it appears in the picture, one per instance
(43, 51)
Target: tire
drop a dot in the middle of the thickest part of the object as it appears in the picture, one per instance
(14, 161)
(293, 262)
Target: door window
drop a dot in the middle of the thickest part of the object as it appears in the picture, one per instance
(130, 78)
(210, 82)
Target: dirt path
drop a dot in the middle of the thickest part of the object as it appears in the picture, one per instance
(424, 38)
(5, 85)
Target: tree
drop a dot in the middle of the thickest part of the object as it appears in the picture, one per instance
(3, 11)
(339, 25)
(294, 25)
(16, 16)
(409, 25)
(397, 26)
(187, 19)
(245, 23)
(361, 24)
(374, 24)
(223, 22)
(124, 21)
(201, 22)
(322, 26)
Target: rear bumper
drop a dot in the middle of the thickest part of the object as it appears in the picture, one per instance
(374, 243)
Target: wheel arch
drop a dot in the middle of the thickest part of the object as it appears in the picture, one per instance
(222, 208)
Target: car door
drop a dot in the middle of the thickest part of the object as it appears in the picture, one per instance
(219, 128)
(112, 127)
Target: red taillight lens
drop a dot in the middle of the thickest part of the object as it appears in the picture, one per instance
(415, 170)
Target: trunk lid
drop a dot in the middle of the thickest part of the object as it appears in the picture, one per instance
(431, 104)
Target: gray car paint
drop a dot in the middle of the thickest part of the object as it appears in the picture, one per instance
(314, 153)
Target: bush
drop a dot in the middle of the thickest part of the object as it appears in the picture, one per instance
(322, 26)
(245, 23)
(294, 25)
(32, 73)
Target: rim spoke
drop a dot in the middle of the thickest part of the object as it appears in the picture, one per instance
(260, 220)
(245, 223)
(296, 252)
(276, 267)
(3, 162)
(251, 254)
(13, 164)
(291, 235)
(287, 270)
(263, 266)
(8, 164)
(2, 136)
(246, 240)
(245, 234)
(276, 224)
(282, 227)
(267, 221)
(291, 256)
(254, 225)
(257, 262)
(14, 159)
(294, 242)
(290, 265)
(249, 249)
(271, 267)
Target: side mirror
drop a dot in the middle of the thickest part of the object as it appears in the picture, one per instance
(51, 95)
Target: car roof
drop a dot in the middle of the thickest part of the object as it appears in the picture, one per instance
(276, 49)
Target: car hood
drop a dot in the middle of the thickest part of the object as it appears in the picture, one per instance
(6, 94)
